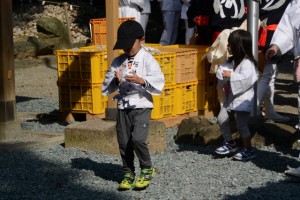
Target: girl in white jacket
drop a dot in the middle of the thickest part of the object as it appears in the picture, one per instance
(238, 86)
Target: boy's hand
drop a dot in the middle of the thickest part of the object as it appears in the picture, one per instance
(134, 78)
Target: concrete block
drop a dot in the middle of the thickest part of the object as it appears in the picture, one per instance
(100, 135)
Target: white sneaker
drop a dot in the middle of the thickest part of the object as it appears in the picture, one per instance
(278, 118)
(293, 172)
(297, 126)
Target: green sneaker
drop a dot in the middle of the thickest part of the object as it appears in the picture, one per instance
(128, 181)
(144, 180)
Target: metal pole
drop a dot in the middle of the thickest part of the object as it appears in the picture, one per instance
(66, 6)
(252, 27)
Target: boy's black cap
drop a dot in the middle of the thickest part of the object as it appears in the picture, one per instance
(128, 32)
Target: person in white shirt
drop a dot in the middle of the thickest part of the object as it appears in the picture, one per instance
(137, 76)
(132, 8)
(285, 38)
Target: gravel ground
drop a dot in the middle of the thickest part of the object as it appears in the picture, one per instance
(186, 172)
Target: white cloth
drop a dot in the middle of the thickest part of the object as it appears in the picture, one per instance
(287, 33)
(134, 95)
(217, 52)
(241, 94)
(221, 68)
(131, 8)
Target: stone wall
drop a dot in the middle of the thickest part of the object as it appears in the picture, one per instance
(25, 16)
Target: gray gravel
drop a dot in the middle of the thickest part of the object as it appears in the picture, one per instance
(186, 172)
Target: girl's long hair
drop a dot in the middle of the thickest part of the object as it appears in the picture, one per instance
(240, 42)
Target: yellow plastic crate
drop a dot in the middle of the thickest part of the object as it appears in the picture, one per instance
(164, 104)
(201, 64)
(81, 98)
(153, 45)
(166, 61)
(186, 97)
(186, 63)
(98, 29)
(83, 65)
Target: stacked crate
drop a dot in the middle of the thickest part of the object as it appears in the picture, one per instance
(207, 98)
(180, 92)
(81, 73)
(164, 104)
(98, 30)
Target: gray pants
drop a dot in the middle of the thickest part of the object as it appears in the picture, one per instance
(132, 133)
(242, 120)
(170, 32)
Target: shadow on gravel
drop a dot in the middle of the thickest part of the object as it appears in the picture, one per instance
(287, 189)
(204, 150)
(274, 161)
(20, 99)
(107, 171)
(27, 175)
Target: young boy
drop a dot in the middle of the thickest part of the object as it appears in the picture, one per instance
(137, 75)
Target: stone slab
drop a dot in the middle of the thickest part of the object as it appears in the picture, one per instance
(100, 135)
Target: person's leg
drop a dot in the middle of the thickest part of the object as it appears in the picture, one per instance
(176, 18)
(264, 84)
(123, 128)
(168, 18)
(296, 79)
(140, 119)
(298, 125)
(242, 121)
(229, 146)
(224, 122)
(265, 93)
(189, 32)
(144, 20)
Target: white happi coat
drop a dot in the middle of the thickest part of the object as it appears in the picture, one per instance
(287, 33)
(241, 93)
(131, 95)
(131, 8)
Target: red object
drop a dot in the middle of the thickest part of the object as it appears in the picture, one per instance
(202, 20)
(215, 35)
(263, 34)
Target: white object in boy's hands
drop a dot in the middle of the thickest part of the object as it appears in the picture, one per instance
(126, 72)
